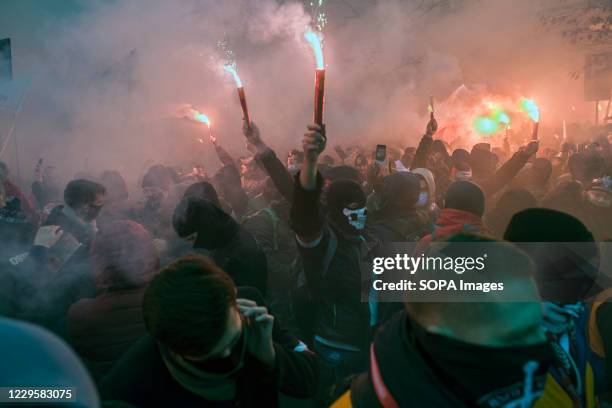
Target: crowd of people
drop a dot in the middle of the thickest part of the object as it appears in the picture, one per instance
(244, 289)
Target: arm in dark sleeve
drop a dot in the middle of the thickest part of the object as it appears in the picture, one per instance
(224, 156)
(505, 173)
(422, 153)
(295, 369)
(278, 173)
(233, 192)
(306, 214)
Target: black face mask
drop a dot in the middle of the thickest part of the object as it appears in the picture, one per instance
(486, 376)
(92, 213)
(154, 201)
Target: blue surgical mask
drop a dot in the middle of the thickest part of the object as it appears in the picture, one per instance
(422, 201)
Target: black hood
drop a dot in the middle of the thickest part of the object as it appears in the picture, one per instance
(400, 192)
(215, 228)
(339, 195)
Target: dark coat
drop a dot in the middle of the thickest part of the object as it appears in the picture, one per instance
(102, 329)
(142, 379)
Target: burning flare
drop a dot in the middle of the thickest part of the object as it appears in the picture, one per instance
(192, 114)
(315, 42)
(317, 47)
(529, 106)
(231, 68)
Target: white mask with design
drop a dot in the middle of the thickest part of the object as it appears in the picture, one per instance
(356, 218)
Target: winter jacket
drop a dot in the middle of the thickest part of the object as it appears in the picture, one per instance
(278, 173)
(102, 329)
(271, 230)
(243, 259)
(403, 374)
(333, 269)
(142, 379)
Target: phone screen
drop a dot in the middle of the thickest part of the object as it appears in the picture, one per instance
(381, 152)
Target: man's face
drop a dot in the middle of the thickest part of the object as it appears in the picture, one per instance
(229, 339)
(90, 212)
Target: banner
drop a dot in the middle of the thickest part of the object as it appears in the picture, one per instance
(6, 63)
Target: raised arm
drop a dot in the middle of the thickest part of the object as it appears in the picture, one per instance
(306, 215)
(424, 149)
(267, 158)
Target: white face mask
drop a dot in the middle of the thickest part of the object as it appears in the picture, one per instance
(422, 202)
(356, 218)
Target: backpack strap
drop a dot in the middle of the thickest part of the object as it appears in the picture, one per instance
(332, 246)
(380, 388)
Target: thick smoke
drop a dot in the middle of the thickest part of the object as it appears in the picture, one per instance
(108, 76)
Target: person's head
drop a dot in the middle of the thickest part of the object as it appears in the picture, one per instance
(116, 188)
(465, 196)
(495, 321)
(427, 191)
(586, 166)
(295, 158)
(158, 177)
(328, 160)
(482, 162)
(346, 203)
(461, 171)
(566, 256)
(460, 156)
(4, 172)
(203, 190)
(400, 192)
(565, 196)
(202, 223)
(361, 163)
(33, 355)
(123, 256)
(511, 202)
(190, 307)
(85, 197)
(599, 194)
(344, 173)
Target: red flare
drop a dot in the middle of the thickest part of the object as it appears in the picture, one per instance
(243, 104)
(319, 96)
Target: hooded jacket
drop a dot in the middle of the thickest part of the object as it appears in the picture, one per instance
(333, 264)
(232, 247)
(403, 373)
(397, 219)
